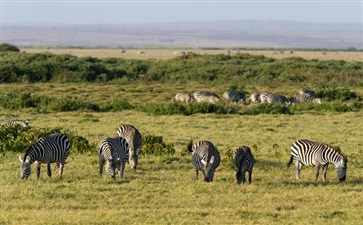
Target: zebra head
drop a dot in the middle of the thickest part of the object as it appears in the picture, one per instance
(25, 168)
(341, 168)
(133, 158)
(111, 166)
(240, 176)
(209, 169)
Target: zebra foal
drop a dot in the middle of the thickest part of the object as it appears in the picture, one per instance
(23, 123)
(309, 153)
(243, 161)
(53, 148)
(113, 151)
(134, 140)
(205, 157)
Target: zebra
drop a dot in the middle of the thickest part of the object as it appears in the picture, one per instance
(254, 98)
(305, 95)
(114, 151)
(23, 123)
(134, 140)
(53, 148)
(205, 157)
(243, 161)
(272, 98)
(309, 153)
(206, 97)
(183, 97)
(234, 96)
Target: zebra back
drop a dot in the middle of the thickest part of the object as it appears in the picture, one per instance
(23, 123)
(134, 140)
(205, 157)
(272, 98)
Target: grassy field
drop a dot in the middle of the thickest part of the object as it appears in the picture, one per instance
(164, 191)
(172, 53)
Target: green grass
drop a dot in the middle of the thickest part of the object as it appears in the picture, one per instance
(164, 191)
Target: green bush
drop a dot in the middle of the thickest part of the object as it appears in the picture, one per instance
(155, 146)
(8, 48)
(332, 94)
(19, 139)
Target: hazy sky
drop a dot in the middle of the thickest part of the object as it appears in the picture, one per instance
(148, 11)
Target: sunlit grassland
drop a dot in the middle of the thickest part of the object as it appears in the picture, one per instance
(164, 191)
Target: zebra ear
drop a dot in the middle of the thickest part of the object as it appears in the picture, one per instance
(204, 162)
(20, 159)
(211, 161)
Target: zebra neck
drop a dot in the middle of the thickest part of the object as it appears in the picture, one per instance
(332, 156)
(32, 153)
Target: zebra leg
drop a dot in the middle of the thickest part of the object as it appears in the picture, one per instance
(298, 169)
(325, 169)
(101, 163)
(250, 176)
(122, 168)
(60, 168)
(49, 171)
(317, 168)
(196, 174)
(38, 169)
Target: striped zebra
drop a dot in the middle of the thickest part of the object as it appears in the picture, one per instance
(183, 97)
(206, 97)
(309, 153)
(205, 157)
(53, 148)
(272, 98)
(254, 98)
(134, 140)
(114, 151)
(234, 96)
(23, 123)
(243, 161)
(305, 95)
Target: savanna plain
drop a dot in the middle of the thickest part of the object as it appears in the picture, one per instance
(163, 190)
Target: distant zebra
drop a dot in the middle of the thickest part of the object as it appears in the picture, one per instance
(205, 157)
(272, 98)
(23, 123)
(114, 151)
(53, 148)
(183, 97)
(254, 98)
(134, 140)
(206, 97)
(305, 95)
(309, 153)
(234, 96)
(243, 161)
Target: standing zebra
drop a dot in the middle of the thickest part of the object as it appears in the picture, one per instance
(23, 123)
(272, 98)
(183, 97)
(134, 140)
(254, 98)
(234, 96)
(309, 153)
(114, 151)
(243, 161)
(53, 148)
(206, 97)
(205, 157)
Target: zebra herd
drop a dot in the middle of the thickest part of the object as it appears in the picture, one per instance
(114, 152)
(304, 95)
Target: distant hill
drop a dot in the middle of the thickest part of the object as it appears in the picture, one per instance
(239, 33)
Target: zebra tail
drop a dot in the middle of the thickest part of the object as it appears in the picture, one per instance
(290, 161)
(189, 146)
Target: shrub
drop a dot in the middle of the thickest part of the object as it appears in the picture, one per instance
(154, 145)
(332, 94)
(8, 48)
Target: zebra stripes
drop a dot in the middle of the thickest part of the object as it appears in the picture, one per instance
(205, 157)
(243, 161)
(49, 149)
(23, 123)
(305, 95)
(134, 140)
(183, 97)
(254, 98)
(234, 96)
(114, 151)
(272, 98)
(206, 97)
(309, 153)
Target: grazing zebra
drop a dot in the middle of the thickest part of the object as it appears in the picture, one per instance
(307, 92)
(134, 140)
(272, 98)
(206, 97)
(243, 161)
(53, 148)
(114, 151)
(205, 157)
(254, 98)
(305, 95)
(23, 123)
(234, 96)
(309, 153)
(183, 97)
